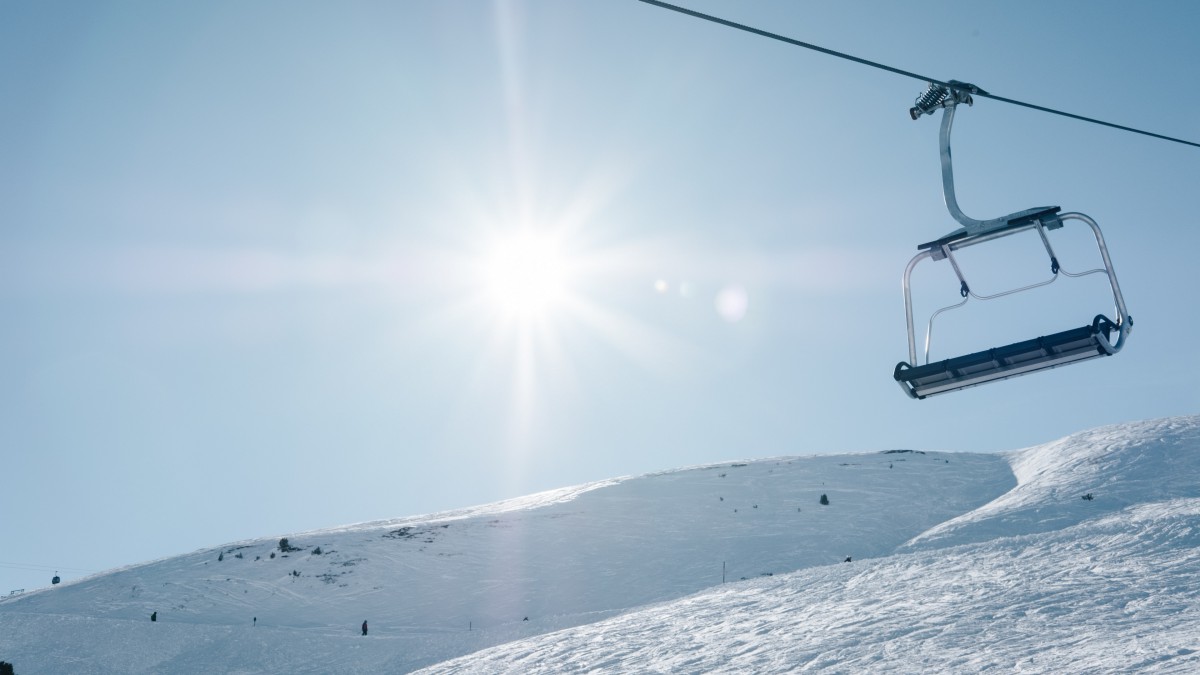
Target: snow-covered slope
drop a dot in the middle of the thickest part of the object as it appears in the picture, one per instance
(1116, 594)
(960, 562)
(1121, 466)
(1054, 583)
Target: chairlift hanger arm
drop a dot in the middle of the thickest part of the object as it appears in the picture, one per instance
(947, 98)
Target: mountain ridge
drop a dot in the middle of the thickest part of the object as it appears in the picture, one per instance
(502, 577)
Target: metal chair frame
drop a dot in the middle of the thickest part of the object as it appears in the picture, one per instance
(1044, 352)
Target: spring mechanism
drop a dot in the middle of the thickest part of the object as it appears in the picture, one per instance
(929, 100)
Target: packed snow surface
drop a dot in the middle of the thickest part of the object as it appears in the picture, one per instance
(958, 563)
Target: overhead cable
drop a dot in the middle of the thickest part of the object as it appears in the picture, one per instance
(898, 71)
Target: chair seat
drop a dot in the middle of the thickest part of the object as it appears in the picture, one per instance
(999, 363)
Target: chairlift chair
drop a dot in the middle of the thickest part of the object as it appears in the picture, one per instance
(1101, 337)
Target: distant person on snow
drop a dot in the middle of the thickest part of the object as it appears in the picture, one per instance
(364, 627)
(154, 616)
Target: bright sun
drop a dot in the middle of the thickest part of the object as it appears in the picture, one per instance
(526, 275)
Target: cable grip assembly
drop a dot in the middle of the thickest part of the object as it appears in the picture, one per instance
(939, 95)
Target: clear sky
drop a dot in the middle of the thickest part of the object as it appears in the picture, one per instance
(268, 267)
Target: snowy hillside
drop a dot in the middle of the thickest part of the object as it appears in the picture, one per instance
(1054, 583)
(960, 562)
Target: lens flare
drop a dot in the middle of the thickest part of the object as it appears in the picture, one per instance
(731, 303)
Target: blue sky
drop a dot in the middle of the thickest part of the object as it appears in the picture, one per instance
(249, 252)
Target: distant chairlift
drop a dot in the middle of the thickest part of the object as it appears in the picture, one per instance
(1048, 351)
